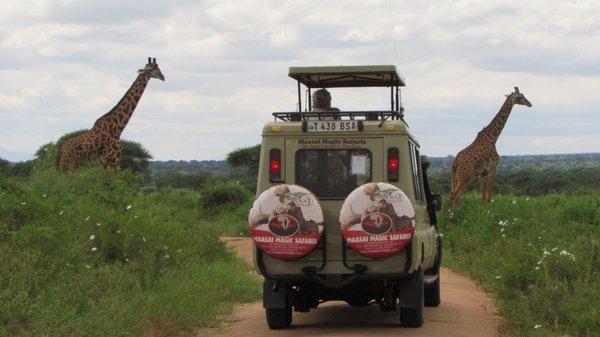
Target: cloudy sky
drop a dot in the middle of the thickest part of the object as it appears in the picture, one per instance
(65, 63)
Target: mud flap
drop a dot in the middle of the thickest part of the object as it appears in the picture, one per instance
(410, 292)
(274, 295)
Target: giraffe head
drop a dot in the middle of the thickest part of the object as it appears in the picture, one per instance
(519, 98)
(152, 70)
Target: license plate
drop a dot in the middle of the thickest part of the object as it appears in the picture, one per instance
(332, 126)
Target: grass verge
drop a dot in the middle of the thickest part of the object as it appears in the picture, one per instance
(539, 256)
(87, 254)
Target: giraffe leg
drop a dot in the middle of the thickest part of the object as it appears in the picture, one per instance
(491, 178)
(461, 185)
(483, 185)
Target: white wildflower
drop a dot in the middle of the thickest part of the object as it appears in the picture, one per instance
(126, 259)
(92, 237)
(179, 250)
(88, 266)
(537, 326)
(118, 232)
(565, 253)
(135, 216)
(537, 268)
(94, 249)
(554, 249)
(167, 256)
(498, 277)
(539, 262)
(539, 237)
(503, 235)
(98, 224)
(86, 219)
(128, 207)
(502, 229)
(68, 264)
(61, 212)
(143, 238)
(44, 195)
(23, 203)
(514, 202)
(527, 198)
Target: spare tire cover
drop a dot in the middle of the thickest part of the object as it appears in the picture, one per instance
(286, 222)
(377, 220)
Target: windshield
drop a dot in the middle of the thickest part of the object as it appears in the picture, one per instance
(333, 174)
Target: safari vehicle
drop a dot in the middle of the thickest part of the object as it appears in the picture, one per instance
(323, 159)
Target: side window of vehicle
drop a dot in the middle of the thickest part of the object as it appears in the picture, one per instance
(416, 171)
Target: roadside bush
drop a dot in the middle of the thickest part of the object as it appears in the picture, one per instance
(223, 194)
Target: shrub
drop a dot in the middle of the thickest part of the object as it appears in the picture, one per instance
(223, 194)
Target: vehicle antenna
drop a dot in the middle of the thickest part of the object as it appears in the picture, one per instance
(393, 22)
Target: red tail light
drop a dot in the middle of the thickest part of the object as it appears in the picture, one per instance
(393, 164)
(275, 165)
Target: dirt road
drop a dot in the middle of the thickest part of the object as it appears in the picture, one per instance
(465, 311)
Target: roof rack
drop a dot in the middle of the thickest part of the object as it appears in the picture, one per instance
(381, 115)
(348, 76)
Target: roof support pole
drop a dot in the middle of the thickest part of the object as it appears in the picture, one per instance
(392, 93)
(397, 99)
(309, 99)
(392, 97)
(299, 98)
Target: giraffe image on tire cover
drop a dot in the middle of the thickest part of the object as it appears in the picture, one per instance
(286, 222)
(377, 220)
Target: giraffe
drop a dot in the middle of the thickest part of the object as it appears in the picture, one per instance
(480, 157)
(101, 143)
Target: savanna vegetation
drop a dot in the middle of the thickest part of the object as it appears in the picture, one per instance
(136, 252)
(539, 257)
(94, 253)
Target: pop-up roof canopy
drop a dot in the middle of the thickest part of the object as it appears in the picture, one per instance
(348, 76)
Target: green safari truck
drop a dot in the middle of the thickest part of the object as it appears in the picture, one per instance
(343, 209)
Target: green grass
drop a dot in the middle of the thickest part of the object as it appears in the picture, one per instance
(87, 254)
(538, 256)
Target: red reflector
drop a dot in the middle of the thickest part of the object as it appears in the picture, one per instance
(393, 164)
(275, 166)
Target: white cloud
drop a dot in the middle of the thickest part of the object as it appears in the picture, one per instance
(66, 63)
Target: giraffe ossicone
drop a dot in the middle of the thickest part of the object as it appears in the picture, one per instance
(100, 144)
(481, 157)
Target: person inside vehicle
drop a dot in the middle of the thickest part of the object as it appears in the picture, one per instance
(321, 102)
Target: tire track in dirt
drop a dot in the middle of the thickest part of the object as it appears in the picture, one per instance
(465, 311)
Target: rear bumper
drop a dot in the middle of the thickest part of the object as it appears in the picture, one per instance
(353, 270)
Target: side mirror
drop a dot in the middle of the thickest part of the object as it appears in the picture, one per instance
(436, 202)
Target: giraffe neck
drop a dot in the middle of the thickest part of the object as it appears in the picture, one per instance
(494, 128)
(117, 118)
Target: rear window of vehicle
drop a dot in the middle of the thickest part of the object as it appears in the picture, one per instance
(333, 174)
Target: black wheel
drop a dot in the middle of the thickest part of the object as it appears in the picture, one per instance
(432, 293)
(413, 317)
(279, 318)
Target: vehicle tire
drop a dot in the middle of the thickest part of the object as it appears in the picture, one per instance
(432, 294)
(279, 318)
(413, 317)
